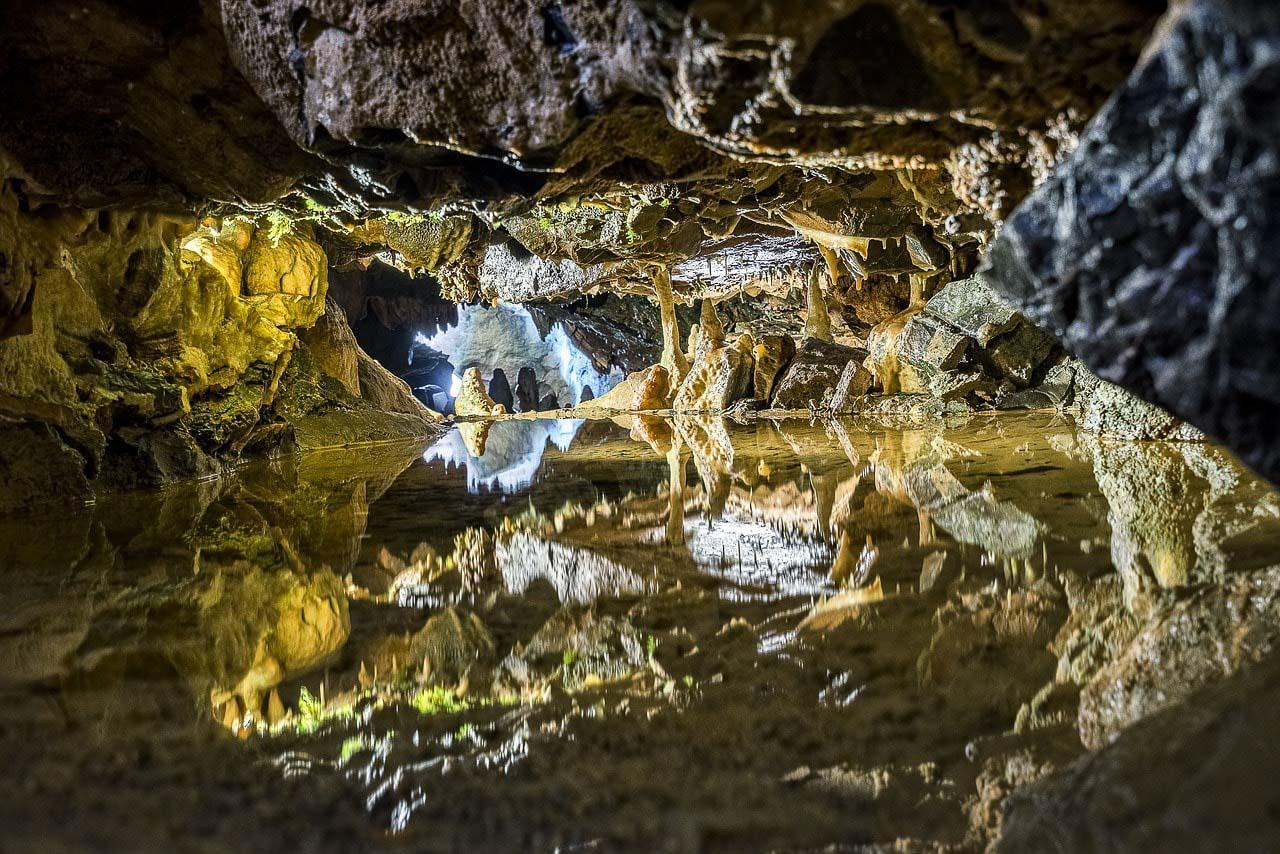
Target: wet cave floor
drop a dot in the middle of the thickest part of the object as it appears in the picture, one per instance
(647, 634)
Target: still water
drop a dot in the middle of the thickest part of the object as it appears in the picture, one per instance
(683, 635)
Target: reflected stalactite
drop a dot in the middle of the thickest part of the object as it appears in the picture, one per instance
(375, 626)
(713, 453)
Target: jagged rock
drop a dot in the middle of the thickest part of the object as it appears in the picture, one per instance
(1109, 410)
(320, 413)
(333, 346)
(718, 379)
(1220, 737)
(811, 378)
(500, 390)
(1152, 250)
(929, 346)
(286, 277)
(387, 392)
(972, 307)
(38, 465)
(579, 576)
(472, 398)
(1019, 354)
(548, 402)
(773, 353)
(580, 647)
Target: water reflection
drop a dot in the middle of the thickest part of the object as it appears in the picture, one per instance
(709, 622)
(503, 456)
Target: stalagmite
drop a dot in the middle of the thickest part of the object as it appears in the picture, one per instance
(473, 399)
(818, 321)
(712, 327)
(673, 358)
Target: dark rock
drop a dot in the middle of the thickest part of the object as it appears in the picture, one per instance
(1019, 354)
(810, 380)
(548, 402)
(1153, 252)
(37, 465)
(500, 390)
(587, 394)
(526, 390)
(1198, 775)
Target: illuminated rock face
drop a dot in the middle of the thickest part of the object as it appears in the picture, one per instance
(507, 338)
(160, 349)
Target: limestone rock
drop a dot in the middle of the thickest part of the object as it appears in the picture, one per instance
(1109, 410)
(854, 383)
(973, 308)
(1220, 737)
(1187, 644)
(643, 390)
(1151, 251)
(334, 347)
(286, 278)
(810, 381)
(929, 346)
(718, 379)
(386, 391)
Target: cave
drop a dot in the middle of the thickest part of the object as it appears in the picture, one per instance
(640, 425)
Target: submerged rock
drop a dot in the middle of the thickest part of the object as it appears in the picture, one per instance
(1185, 645)
(452, 649)
(1134, 793)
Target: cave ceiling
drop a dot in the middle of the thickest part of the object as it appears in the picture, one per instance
(577, 143)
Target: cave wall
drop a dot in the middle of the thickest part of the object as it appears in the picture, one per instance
(1151, 252)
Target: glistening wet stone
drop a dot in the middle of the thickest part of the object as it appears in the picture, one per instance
(636, 633)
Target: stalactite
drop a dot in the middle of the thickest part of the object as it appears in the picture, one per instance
(673, 358)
